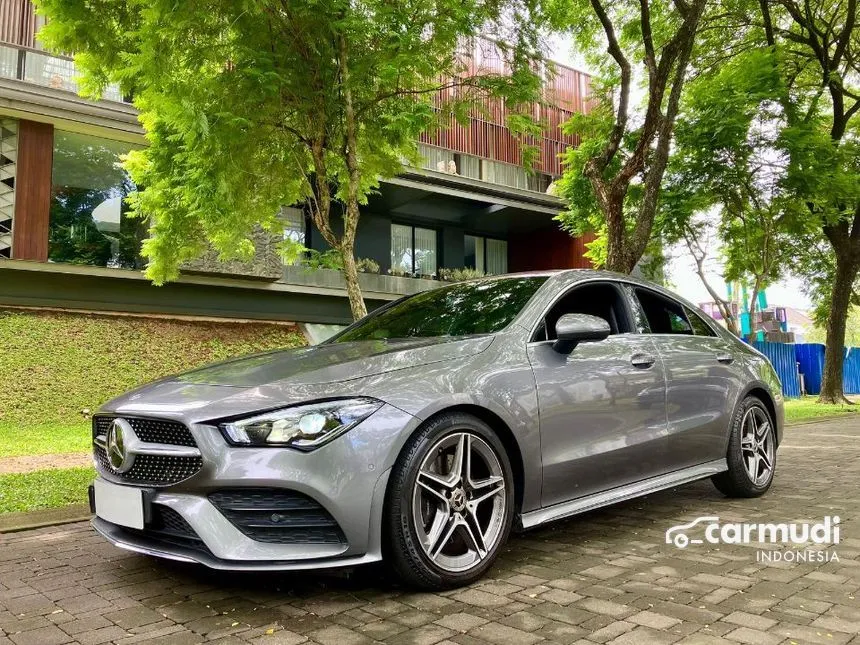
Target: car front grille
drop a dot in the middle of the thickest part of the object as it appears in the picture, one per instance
(150, 470)
(278, 516)
(150, 430)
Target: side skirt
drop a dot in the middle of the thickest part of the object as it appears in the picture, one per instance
(629, 491)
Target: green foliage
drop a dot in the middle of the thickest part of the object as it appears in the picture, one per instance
(44, 489)
(330, 259)
(368, 265)
(583, 213)
(57, 365)
(612, 179)
(818, 334)
(249, 106)
(459, 275)
(731, 158)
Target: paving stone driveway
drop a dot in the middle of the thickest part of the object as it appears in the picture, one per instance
(604, 577)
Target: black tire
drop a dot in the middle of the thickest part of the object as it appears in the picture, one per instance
(404, 550)
(737, 481)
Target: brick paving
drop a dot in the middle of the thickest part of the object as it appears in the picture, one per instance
(604, 577)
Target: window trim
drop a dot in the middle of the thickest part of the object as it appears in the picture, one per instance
(615, 284)
(485, 238)
(412, 226)
(632, 294)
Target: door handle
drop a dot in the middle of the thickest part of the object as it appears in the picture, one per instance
(725, 358)
(642, 360)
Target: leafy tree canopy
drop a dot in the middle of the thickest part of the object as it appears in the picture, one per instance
(249, 105)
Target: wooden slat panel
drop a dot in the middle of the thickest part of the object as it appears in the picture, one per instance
(33, 191)
(549, 248)
(17, 22)
(487, 136)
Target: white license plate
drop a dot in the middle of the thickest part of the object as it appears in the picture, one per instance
(121, 505)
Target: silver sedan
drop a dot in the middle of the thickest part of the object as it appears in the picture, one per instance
(427, 431)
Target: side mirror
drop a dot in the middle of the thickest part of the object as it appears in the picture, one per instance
(572, 329)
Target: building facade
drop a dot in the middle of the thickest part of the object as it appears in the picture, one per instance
(65, 240)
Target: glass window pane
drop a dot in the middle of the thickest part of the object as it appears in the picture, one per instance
(469, 242)
(89, 222)
(497, 256)
(438, 159)
(401, 249)
(294, 228)
(700, 327)
(469, 166)
(463, 309)
(480, 265)
(664, 316)
(294, 224)
(425, 252)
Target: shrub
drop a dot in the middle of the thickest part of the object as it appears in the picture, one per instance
(459, 275)
(368, 265)
(323, 260)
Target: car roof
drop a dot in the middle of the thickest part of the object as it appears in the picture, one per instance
(564, 278)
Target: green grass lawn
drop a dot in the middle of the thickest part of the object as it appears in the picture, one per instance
(44, 489)
(58, 367)
(806, 408)
(19, 440)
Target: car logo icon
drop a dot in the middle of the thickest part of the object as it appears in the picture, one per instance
(118, 436)
(677, 535)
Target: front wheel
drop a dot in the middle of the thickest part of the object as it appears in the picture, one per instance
(751, 455)
(450, 504)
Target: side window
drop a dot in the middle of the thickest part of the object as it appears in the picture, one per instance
(664, 316)
(596, 299)
(700, 327)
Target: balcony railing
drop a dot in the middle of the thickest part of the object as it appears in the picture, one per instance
(48, 70)
(488, 170)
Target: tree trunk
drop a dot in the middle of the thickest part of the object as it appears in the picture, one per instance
(617, 255)
(350, 217)
(350, 274)
(834, 352)
(752, 311)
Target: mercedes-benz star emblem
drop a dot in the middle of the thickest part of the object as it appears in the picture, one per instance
(118, 435)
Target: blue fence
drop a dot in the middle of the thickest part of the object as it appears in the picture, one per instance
(851, 370)
(808, 359)
(782, 357)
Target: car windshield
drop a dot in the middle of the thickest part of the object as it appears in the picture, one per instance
(465, 309)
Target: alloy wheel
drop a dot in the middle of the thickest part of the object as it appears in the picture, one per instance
(757, 449)
(458, 502)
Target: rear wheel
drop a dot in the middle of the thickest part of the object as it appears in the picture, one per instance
(450, 504)
(751, 455)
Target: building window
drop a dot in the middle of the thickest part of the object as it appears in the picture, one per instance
(486, 254)
(89, 222)
(294, 229)
(413, 251)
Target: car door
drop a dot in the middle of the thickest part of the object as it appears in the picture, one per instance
(702, 377)
(602, 407)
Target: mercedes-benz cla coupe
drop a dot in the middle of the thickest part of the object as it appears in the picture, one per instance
(425, 432)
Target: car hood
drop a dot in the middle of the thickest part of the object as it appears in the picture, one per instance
(334, 362)
(283, 377)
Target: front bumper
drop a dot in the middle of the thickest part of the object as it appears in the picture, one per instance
(346, 477)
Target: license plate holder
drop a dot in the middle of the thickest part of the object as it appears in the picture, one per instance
(122, 505)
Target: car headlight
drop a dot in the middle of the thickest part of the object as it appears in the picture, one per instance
(303, 426)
